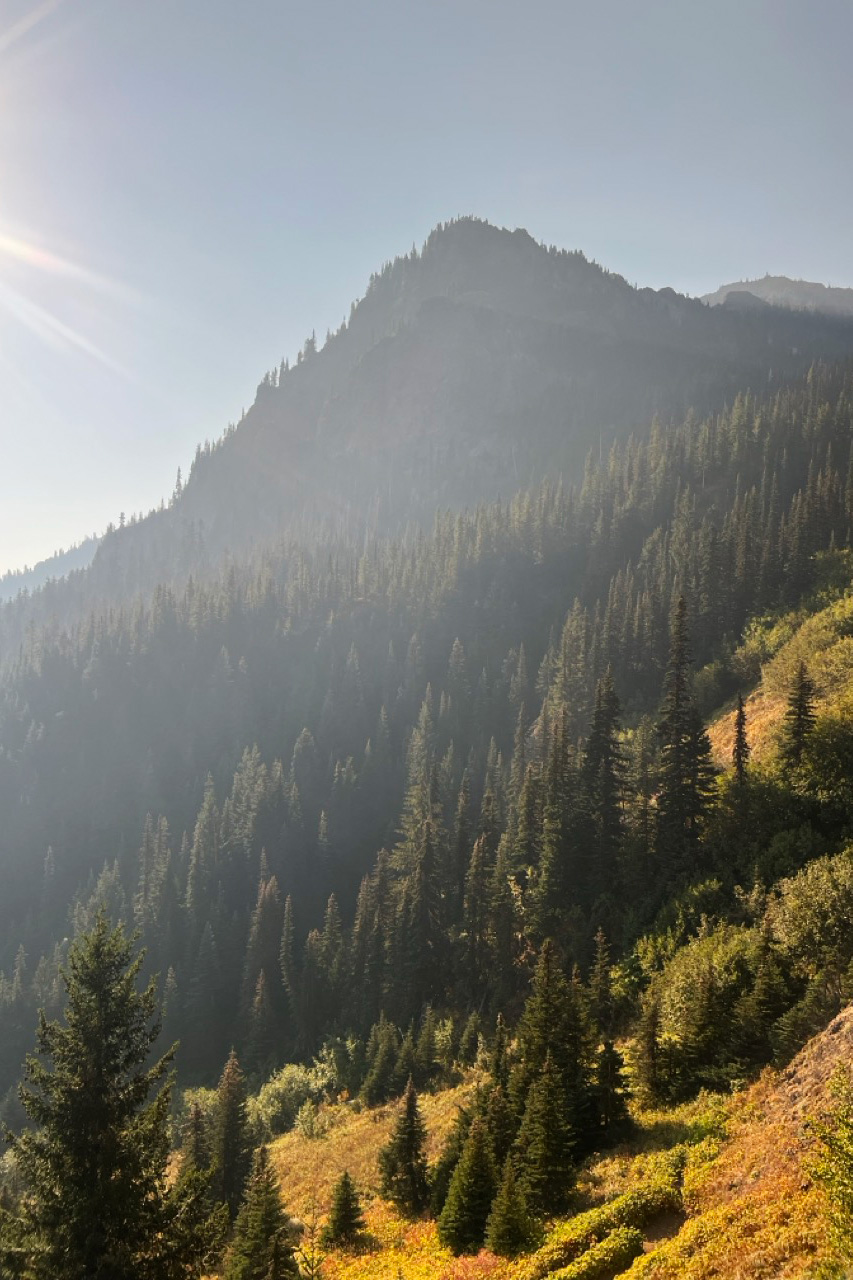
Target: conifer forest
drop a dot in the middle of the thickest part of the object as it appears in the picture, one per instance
(426, 837)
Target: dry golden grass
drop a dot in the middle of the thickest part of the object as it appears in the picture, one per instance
(764, 711)
(754, 1210)
(310, 1167)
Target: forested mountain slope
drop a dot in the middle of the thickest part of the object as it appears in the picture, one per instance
(470, 369)
(56, 566)
(446, 698)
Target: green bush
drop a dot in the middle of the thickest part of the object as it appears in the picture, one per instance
(273, 1110)
(609, 1256)
(572, 1240)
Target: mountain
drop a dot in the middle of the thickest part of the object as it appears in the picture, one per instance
(781, 291)
(470, 369)
(54, 567)
(397, 805)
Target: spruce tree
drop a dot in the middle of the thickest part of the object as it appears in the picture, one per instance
(195, 1145)
(600, 987)
(510, 1230)
(685, 763)
(469, 1041)
(231, 1146)
(603, 775)
(462, 1224)
(261, 1249)
(442, 1171)
(740, 750)
(346, 1220)
(545, 1143)
(800, 715)
(98, 1204)
(609, 1088)
(402, 1163)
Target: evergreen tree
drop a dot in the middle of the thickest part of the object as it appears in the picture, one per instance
(685, 768)
(609, 1088)
(462, 1224)
(98, 1203)
(510, 1230)
(469, 1041)
(231, 1147)
(502, 1123)
(740, 750)
(603, 773)
(261, 1042)
(382, 1058)
(346, 1220)
(402, 1162)
(195, 1147)
(261, 1249)
(442, 1171)
(800, 715)
(545, 1143)
(600, 987)
(499, 1055)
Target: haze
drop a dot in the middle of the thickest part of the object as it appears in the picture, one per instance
(186, 191)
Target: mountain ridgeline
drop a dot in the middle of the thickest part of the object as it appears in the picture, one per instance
(781, 291)
(469, 370)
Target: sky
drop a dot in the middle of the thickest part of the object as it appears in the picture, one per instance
(188, 188)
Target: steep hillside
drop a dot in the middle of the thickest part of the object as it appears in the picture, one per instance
(470, 369)
(781, 291)
(820, 634)
(742, 1200)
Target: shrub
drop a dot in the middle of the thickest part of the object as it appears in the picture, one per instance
(608, 1257)
(572, 1239)
(273, 1110)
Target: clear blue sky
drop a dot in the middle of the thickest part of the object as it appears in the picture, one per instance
(189, 187)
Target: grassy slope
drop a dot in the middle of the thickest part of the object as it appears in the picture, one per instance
(750, 1206)
(821, 636)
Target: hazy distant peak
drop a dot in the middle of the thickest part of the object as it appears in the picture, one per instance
(781, 291)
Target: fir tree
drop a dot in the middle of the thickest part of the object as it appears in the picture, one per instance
(609, 1088)
(510, 1230)
(685, 769)
(603, 773)
(98, 1203)
(544, 1144)
(442, 1171)
(462, 1224)
(402, 1162)
(740, 750)
(469, 1041)
(261, 1249)
(499, 1055)
(600, 987)
(800, 715)
(231, 1147)
(346, 1220)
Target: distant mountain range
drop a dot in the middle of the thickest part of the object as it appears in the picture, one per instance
(780, 291)
(56, 566)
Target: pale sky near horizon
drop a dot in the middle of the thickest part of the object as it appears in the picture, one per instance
(189, 187)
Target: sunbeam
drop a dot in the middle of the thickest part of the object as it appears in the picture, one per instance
(26, 24)
(33, 255)
(51, 330)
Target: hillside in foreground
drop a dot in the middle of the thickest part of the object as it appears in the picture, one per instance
(735, 1195)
